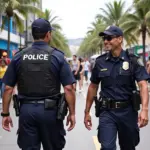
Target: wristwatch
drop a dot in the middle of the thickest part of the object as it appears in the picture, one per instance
(5, 114)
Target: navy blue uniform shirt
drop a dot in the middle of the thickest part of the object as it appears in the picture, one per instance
(59, 67)
(115, 75)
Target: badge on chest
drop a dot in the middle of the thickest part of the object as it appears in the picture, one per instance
(125, 65)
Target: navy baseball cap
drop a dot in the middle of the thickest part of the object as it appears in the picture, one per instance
(112, 30)
(41, 25)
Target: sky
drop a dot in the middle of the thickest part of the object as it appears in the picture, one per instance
(75, 16)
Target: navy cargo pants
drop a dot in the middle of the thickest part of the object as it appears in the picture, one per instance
(39, 126)
(121, 121)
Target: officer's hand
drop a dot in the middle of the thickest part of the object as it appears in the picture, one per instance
(72, 121)
(143, 118)
(87, 121)
(6, 123)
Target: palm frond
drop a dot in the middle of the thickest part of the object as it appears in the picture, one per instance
(29, 1)
(20, 24)
(31, 9)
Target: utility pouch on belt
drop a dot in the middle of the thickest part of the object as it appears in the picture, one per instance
(136, 100)
(16, 104)
(50, 104)
(62, 108)
(97, 106)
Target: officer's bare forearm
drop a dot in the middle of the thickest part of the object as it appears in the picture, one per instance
(144, 94)
(7, 98)
(92, 91)
(70, 97)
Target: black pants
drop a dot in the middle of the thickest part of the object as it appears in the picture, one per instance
(38, 126)
(123, 122)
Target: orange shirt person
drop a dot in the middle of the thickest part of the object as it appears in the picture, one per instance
(4, 57)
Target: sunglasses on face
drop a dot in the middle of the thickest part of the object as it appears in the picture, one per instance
(108, 38)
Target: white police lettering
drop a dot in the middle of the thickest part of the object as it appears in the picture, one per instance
(35, 57)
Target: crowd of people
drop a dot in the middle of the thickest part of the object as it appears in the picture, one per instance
(80, 68)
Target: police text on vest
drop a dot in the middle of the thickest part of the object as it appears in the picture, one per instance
(35, 57)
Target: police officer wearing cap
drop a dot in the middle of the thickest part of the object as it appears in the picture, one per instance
(38, 72)
(117, 116)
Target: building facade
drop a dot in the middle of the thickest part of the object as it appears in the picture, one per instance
(15, 38)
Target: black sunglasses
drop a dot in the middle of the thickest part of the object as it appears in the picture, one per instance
(108, 38)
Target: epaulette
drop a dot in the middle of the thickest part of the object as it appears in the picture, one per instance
(58, 50)
(101, 56)
(19, 52)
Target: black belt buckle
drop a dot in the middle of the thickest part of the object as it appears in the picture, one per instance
(117, 105)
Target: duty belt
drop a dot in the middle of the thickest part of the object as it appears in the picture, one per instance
(32, 101)
(112, 104)
(39, 101)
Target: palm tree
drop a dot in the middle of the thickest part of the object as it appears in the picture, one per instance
(93, 43)
(12, 8)
(138, 23)
(142, 3)
(113, 13)
(58, 39)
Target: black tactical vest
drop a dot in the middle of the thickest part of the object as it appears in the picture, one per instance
(35, 78)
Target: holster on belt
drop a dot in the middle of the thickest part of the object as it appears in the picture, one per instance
(136, 100)
(97, 106)
(16, 104)
(62, 108)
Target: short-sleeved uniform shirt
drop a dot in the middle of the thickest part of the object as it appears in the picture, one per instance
(58, 64)
(117, 79)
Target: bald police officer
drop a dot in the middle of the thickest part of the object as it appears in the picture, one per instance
(38, 72)
(117, 112)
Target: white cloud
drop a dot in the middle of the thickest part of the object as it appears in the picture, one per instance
(76, 15)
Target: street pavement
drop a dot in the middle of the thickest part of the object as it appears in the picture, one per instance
(78, 139)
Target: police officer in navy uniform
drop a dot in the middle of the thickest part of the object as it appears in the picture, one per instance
(117, 115)
(38, 72)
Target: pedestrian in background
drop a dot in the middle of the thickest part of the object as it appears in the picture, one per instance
(86, 69)
(81, 73)
(5, 57)
(75, 70)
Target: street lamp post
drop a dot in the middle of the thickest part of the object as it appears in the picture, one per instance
(20, 41)
(26, 33)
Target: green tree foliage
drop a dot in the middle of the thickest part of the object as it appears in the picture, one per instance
(113, 14)
(92, 43)
(58, 39)
(15, 8)
(138, 23)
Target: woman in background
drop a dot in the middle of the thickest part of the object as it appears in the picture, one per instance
(81, 73)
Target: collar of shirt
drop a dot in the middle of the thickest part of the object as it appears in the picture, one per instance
(121, 57)
(39, 43)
